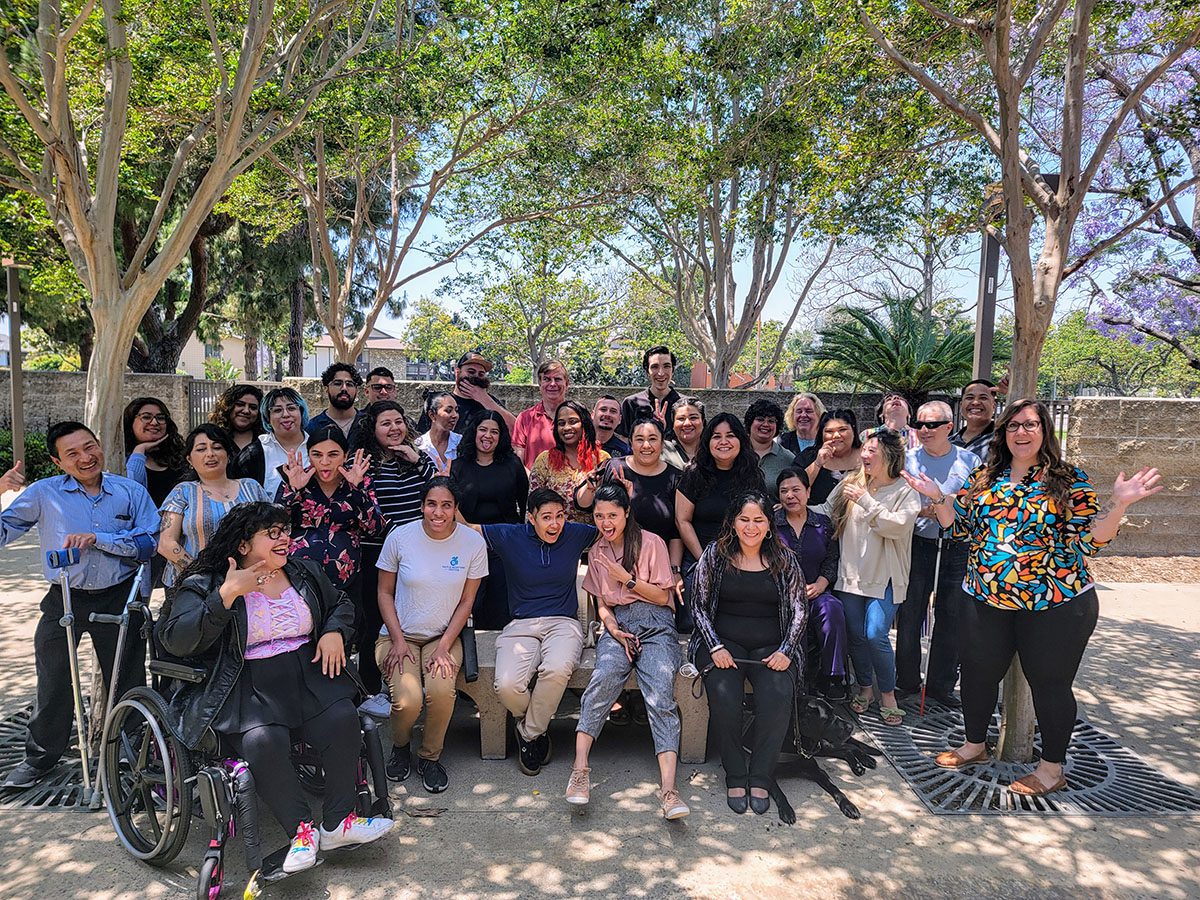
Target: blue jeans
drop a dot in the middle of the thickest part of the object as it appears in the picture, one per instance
(868, 621)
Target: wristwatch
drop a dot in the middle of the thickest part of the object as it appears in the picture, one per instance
(630, 583)
(939, 501)
(677, 569)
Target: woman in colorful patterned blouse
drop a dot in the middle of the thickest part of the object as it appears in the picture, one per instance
(331, 510)
(573, 456)
(1030, 519)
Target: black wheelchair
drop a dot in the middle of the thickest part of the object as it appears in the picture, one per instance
(154, 786)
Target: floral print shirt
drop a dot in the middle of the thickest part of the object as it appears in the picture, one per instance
(329, 529)
(562, 481)
(1026, 553)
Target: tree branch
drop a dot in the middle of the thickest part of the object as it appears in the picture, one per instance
(1193, 358)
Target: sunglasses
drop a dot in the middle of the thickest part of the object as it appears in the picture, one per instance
(921, 426)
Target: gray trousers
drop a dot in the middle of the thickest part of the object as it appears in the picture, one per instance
(656, 666)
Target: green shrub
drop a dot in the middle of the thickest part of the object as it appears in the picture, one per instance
(38, 463)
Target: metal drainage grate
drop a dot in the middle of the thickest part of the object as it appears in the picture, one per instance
(1103, 778)
(62, 790)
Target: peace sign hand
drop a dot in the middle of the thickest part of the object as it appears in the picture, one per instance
(295, 471)
(618, 473)
(356, 468)
(660, 410)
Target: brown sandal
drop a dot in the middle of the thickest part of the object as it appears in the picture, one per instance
(952, 759)
(1030, 786)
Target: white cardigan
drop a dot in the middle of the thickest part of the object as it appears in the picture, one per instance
(876, 541)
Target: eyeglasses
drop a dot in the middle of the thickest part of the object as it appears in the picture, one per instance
(150, 418)
(1014, 427)
(275, 532)
(382, 388)
(921, 426)
(342, 384)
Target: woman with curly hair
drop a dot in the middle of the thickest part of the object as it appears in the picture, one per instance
(237, 412)
(271, 632)
(396, 478)
(874, 512)
(574, 455)
(750, 614)
(1030, 520)
(156, 453)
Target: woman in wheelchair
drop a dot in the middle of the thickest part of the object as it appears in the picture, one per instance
(271, 634)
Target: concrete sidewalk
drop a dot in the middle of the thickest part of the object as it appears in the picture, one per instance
(503, 835)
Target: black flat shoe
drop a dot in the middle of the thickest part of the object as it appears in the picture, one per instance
(738, 804)
(760, 804)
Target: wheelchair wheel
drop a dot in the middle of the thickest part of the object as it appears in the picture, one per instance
(146, 776)
(210, 879)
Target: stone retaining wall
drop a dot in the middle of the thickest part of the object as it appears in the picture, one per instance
(1108, 435)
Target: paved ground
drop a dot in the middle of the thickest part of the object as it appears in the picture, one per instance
(503, 835)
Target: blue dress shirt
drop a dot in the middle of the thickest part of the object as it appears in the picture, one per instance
(119, 515)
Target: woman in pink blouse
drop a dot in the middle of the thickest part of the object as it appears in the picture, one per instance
(271, 633)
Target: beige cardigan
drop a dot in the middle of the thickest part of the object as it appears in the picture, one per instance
(876, 542)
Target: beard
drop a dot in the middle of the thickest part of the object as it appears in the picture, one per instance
(480, 381)
(341, 401)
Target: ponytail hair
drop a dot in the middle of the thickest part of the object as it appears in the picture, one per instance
(612, 492)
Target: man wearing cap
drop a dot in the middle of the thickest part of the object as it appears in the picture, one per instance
(471, 392)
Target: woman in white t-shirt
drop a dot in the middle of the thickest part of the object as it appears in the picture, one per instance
(429, 571)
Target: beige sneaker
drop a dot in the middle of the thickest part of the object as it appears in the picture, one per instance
(673, 806)
(579, 788)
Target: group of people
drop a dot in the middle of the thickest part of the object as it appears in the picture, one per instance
(780, 545)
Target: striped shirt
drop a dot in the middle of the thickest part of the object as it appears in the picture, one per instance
(396, 486)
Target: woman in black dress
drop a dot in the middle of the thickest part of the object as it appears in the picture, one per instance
(494, 487)
(272, 634)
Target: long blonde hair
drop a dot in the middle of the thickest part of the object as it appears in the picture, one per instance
(893, 452)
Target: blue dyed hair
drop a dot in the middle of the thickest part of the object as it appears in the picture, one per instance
(285, 393)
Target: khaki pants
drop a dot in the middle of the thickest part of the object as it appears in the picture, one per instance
(415, 688)
(546, 646)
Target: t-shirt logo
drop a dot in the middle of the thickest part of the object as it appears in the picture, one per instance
(454, 562)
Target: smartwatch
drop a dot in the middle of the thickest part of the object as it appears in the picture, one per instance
(630, 583)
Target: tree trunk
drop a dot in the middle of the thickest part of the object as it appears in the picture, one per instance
(250, 362)
(296, 330)
(105, 396)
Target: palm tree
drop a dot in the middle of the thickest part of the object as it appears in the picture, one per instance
(897, 347)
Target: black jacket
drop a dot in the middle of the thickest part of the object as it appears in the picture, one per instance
(251, 462)
(196, 627)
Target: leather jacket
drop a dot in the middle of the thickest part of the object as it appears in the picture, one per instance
(196, 627)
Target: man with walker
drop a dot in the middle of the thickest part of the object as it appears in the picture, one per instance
(111, 522)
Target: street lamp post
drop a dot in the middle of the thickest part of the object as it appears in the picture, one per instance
(15, 375)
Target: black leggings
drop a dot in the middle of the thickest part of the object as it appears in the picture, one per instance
(1050, 645)
(334, 736)
(773, 706)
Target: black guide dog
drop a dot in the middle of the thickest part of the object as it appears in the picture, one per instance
(817, 732)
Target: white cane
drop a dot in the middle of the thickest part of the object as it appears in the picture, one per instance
(61, 559)
(929, 616)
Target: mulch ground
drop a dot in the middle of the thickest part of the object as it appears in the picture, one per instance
(1145, 569)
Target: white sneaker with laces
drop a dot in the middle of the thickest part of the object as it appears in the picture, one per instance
(377, 706)
(355, 830)
(303, 852)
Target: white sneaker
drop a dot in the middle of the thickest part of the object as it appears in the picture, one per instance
(377, 706)
(355, 830)
(303, 853)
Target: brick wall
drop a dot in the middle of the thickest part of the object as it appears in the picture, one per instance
(1107, 435)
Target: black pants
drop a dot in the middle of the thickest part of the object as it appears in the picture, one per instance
(943, 646)
(334, 736)
(1050, 645)
(491, 612)
(371, 621)
(54, 709)
(773, 707)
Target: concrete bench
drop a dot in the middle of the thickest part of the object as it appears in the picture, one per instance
(493, 717)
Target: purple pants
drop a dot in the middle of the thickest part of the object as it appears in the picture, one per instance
(827, 626)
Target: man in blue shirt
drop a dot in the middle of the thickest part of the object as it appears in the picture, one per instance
(110, 520)
(541, 562)
(949, 466)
